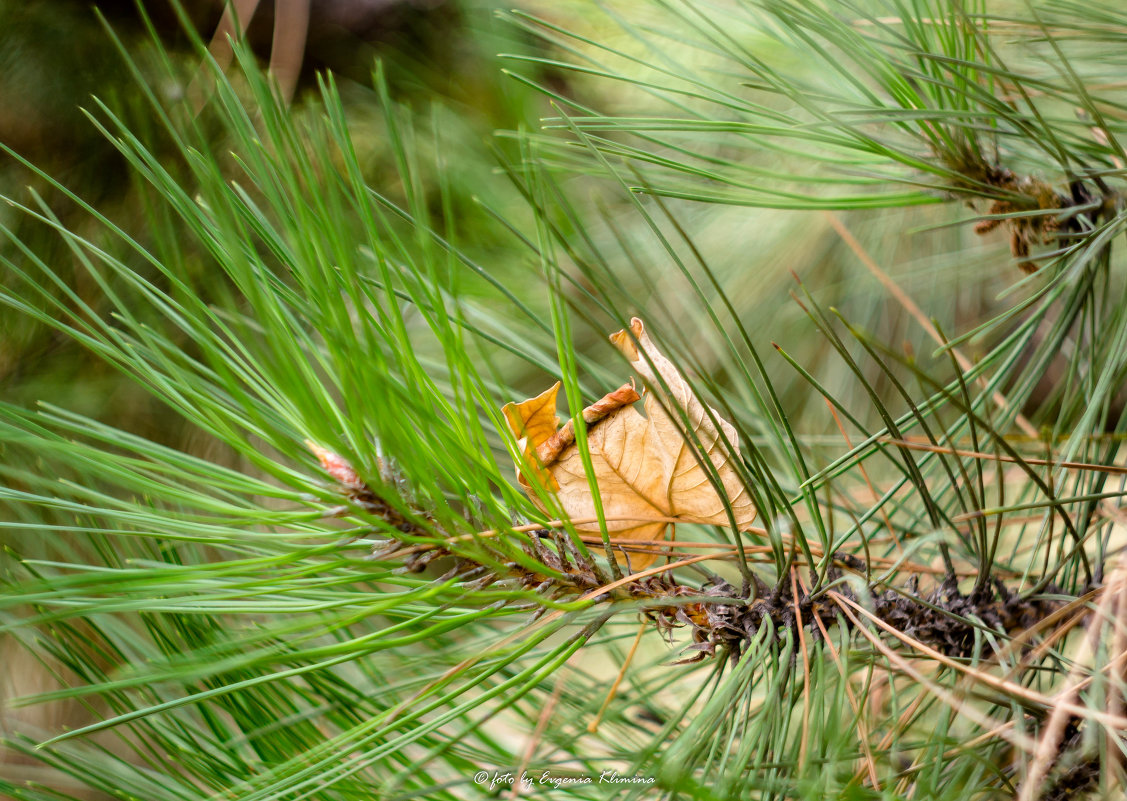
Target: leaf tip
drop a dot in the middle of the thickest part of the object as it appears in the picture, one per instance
(628, 339)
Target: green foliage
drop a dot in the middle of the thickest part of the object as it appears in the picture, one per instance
(224, 621)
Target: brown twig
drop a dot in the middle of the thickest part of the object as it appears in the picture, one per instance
(919, 446)
(538, 733)
(902, 664)
(865, 475)
(862, 727)
(593, 726)
(550, 449)
(1063, 703)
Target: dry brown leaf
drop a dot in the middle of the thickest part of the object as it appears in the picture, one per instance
(645, 469)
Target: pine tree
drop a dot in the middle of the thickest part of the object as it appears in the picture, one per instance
(876, 242)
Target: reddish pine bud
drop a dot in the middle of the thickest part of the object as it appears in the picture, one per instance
(336, 466)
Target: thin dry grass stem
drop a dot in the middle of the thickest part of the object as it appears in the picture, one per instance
(1025, 520)
(901, 723)
(985, 737)
(1048, 748)
(493, 532)
(1042, 648)
(865, 475)
(869, 764)
(919, 446)
(551, 617)
(667, 547)
(1030, 548)
(670, 548)
(538, 733)
(1030, 658)
(653, 571)
(1115, 703)
(803, 743)
(903, 665)
(1009, 688)
(1057, 510)
(1113, 512)
(1100, 135)
(593, 726)
(1077, 608)
(647, 546)
(910, 306)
